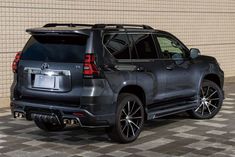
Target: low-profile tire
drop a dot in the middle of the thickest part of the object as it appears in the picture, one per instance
(49, 127)
(129, 119)
(211, 100)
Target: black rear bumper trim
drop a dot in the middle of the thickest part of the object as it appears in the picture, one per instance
(89, 120)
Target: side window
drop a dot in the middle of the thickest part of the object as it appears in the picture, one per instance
(117, 45)
(170, 47)
(144, 47)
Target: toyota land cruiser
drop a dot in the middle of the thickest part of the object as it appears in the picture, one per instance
(111, 75)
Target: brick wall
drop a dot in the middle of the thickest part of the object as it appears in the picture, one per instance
(208, 25)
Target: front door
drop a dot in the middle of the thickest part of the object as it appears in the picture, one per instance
(178, 67)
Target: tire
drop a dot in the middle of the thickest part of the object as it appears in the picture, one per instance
(129, 119)
(49, 127)
(211, 100)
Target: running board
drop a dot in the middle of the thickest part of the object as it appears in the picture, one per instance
(160, 112)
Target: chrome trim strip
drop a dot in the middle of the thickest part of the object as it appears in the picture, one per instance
(49, 72)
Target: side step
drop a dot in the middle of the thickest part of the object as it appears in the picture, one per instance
(161, 111)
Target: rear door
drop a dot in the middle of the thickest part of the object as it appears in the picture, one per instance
(51, 68)
(150, 73)
(118, 68)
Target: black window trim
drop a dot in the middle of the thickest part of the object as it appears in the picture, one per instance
(157, 46)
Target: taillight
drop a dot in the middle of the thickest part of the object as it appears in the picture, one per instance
(16, 62)
(90, 69)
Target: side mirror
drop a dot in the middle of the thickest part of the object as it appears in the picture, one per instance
(194, 53)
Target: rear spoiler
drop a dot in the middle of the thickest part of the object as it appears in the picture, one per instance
(55, 31)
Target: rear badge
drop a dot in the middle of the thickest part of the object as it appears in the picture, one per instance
(44, 66)
(77, 66)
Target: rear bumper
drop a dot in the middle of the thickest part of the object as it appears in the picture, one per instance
(83, 117)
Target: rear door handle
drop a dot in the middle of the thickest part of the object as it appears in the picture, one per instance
(140, 69)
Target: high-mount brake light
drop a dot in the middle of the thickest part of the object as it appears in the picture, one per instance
(90, 69)
(16, 62)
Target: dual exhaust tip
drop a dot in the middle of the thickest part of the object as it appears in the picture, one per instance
(70, 121)
(19, 115)
(66, 121)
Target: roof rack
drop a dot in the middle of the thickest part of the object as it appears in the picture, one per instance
(99, 25)
(66, 24)
(122, 26)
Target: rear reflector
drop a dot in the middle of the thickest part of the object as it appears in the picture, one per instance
(16, 62)
(78, 114)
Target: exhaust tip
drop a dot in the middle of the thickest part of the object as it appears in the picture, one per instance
(70, 121)
(66, 121)
(19, 115)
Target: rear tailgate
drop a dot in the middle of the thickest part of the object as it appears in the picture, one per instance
(51, 68)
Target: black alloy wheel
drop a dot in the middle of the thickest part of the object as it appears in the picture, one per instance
(211, 99)
(129, 119)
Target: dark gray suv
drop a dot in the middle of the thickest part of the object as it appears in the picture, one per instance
(111, 75)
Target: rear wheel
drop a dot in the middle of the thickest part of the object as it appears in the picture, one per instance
(211, 99)
(129, 119)
(49, 126)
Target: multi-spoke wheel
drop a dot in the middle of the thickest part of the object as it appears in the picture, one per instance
(211, 99)
(129, 119)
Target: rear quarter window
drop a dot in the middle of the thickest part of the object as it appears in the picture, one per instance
(117, 44)
(55, 48)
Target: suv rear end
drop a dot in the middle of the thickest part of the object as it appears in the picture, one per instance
(58, 81)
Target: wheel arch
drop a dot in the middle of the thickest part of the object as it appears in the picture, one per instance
(136, 90)
(212, 77)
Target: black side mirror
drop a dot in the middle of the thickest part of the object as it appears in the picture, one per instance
(194, 53)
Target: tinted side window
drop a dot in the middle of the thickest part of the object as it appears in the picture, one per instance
(170, 47)
(144, 46)
(117, 45)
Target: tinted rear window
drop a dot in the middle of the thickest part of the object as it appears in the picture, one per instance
(118, 45)
(55, 48)
(145, 47)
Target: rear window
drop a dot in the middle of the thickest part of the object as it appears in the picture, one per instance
(55, 48)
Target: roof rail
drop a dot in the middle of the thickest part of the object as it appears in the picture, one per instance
(98, 25)
(66, 24)
(122, 26)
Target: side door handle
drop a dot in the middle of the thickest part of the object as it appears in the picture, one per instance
(171, 66)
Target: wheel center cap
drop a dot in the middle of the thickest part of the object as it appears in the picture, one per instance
(204, 101)
(128, 119)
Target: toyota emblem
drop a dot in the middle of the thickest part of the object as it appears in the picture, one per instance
(44, 66)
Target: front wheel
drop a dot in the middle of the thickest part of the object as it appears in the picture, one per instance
(211, 99)
(129, 119)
